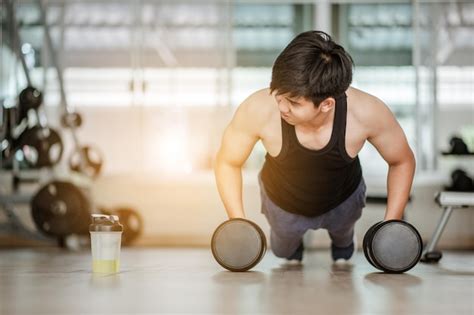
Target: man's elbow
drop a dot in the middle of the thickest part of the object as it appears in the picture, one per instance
(217, 160)
(412, 160)
(221, 160)
(406, 160)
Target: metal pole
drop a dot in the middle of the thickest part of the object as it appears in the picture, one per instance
(230, 58)
(435, 108)
(16, 40)
(52, 52)
(439, 229)
(416, 52)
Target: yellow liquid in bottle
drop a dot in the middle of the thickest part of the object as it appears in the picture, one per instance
(105, 266)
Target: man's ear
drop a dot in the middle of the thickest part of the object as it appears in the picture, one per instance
(327, 104)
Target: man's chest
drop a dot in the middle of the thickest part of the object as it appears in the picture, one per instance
(354, 136)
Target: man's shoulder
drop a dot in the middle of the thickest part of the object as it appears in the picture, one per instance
(369, 111)
(362, 99)
(259, 105)
(363, 105)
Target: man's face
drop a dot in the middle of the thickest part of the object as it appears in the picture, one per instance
(296, 110)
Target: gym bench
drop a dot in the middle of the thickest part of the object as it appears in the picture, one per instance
(448, 201)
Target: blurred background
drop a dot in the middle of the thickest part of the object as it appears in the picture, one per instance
(135, 96)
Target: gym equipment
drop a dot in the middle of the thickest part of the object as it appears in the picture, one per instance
(87, 160)
(13, 225)
(448, 201)
(82, 158)
(238, 244)
(7, 139)
(458, 147)
(393, 246)
(71, 120)
(15, 38)
(460, 181)
(38, 146)
(131, 220)
(41, 146)
(60, 208)
(365, 244)
(29, 98)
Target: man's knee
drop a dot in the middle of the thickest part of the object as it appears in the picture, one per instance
(343, 237)
(282, 252)
(282, 248)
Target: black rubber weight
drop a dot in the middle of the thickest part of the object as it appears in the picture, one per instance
(395, 246)
(93, 163)
(47, 144)
(60, 208)
(132, 223)
(238, 244)
(365, 244)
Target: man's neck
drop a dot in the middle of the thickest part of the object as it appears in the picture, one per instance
(321, 121)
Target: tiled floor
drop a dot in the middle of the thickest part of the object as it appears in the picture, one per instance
(177, 280)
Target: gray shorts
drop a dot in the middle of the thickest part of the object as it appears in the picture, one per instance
(287, 229)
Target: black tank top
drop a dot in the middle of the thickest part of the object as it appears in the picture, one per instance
(312, 182)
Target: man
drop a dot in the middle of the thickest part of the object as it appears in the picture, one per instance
(312, 125)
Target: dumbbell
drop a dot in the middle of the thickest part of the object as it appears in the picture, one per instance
(460, 181)
(238, 244)
(392, 246)
(29, 98)
(458, 146)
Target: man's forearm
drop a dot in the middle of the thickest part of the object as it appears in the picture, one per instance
(229, 184)
(399, 182)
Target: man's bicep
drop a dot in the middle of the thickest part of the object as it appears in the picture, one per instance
(389, 139)
(237, 144)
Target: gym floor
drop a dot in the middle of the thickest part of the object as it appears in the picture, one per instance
(189, 281)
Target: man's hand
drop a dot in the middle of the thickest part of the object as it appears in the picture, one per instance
(391, 216)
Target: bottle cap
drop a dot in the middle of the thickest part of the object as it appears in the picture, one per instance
(105, 223)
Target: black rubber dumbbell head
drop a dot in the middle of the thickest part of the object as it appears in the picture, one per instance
(238, 244)
(394, 246)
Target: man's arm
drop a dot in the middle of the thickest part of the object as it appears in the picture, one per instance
(389, 139)
(237, 143)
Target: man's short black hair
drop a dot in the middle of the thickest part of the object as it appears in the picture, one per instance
(312, 66)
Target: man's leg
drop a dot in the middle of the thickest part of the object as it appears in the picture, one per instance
(287, 247)
(340, 224)
(286, 229)
(342, 245)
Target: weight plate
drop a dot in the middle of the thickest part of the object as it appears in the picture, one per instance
(132, 224)
(59, 209)
(238, 244)
(396, 246)
(41, 146)
(91, 166)
(71, 120)
(30, 98)
(365, 244)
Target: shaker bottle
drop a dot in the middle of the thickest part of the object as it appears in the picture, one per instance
(106, 234)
